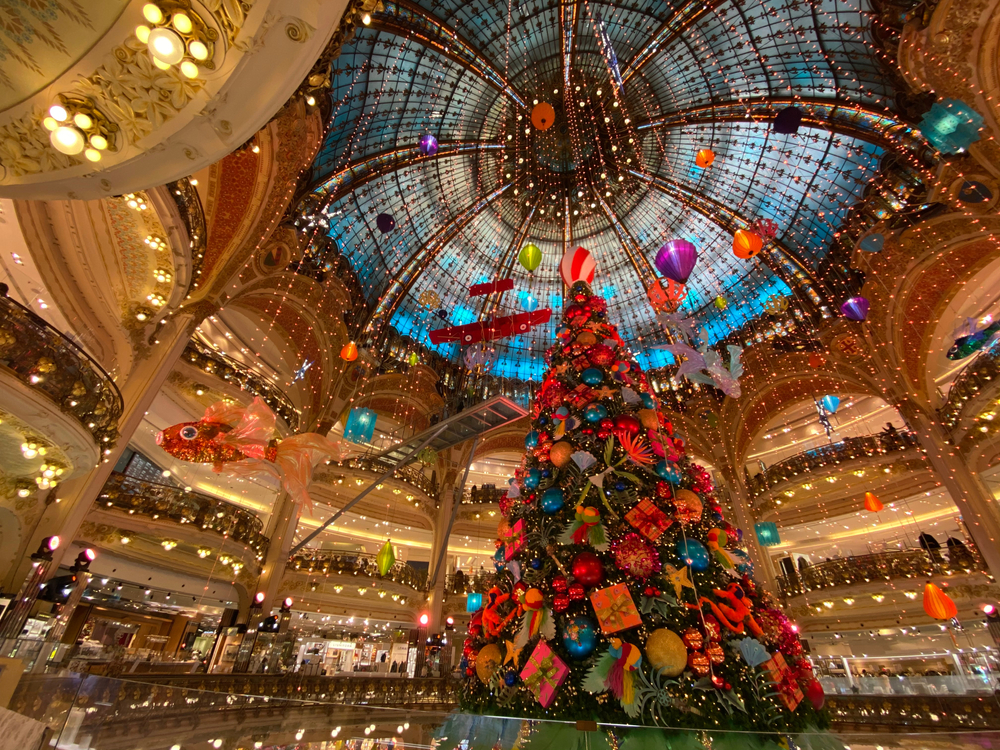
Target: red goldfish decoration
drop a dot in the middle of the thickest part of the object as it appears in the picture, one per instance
(241, 441)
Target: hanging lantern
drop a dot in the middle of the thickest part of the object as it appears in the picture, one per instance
(529, 257)
(746, 244)
(830, 403)
(938, 604)
(776, 304)
(412, 358)
(473, 602)
(350, 352)
(856, 308)
(385, 223)
(872, 503)
(428, 145)
(385, 558)
(720, 302)
(676, 260)
(816, 361)
(767, 533)
(528, 302)
(360, 427)
(666, 299)
(704, 158)
(577, 265)
(787, 121)
(543, 116)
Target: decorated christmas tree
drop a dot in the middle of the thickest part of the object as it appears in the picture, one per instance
(621, 593)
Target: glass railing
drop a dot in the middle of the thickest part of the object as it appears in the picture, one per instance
(219, 365)
(846, 450)
(46, 360)
(164, 503)
(102, 713)
(350, 564)
(882, 566)
(977, 376)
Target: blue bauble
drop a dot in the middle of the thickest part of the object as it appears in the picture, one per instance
(531, 439)
(595, 413)
(543, 421)
(580, 637)
(669, 471)
(647, 401)
(546, 473)
(532, 478)
(592, 376)
(536, 563)
(620, 486)
(510, 679)
(693, 554)
(552, 500)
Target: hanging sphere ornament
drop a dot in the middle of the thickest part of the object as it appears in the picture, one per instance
(693, 554)
(429, 299)
(746, 244)
(552, 500)
(587, 569)
(592, 376)
(830, 403)
(385, 223)
(489, 659)
(720, 302)
(595, 413)
(815, 695)
(666, 652)
(704, 158)
(530, 257)
(668, 471)
(856, 308)
(580, 637)
(510, 679)
(529, 303)
(636, 556)
(938, 604)
(531, 478)
(428, 145)
(628, 424)
(787, 121)
(577, 265)
(543, 116)
(561, 454)
(531, 439)
(676, 260)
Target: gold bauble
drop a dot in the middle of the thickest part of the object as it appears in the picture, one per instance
(687, 506)
(586, 338)
(648, 419)
(665, 651)
(488, 661)
(561, 453)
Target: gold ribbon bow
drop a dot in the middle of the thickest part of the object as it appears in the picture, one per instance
(546, 673)
(613, 615)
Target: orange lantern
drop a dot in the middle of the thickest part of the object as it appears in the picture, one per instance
(350, 352)
(872, 503)
(746, 244)
(543, 115)
(666, 299)
(704, 158)
(938, 604)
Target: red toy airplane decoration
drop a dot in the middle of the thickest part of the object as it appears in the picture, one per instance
(488, 330)
(504, 285)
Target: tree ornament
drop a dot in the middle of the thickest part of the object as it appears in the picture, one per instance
(552, 500)
(488, 661)
(676, 260)
(592, 376)
(666, 652)
(687, 507)
(636, 556)
(428, 145)
(580, 637)
(587, 569)
(530, 257)
(693, 554)
(938, 604)
(349, 352)
(531, 439)
(385, 559)
(560, 454)
(627, 424)
(704, 158)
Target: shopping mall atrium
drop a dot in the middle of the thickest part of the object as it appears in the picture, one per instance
(499, 374)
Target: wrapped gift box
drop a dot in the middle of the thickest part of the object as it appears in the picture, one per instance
(544, 673)
(515, 540)
(648, 520)
(779, 673)
(615, 609)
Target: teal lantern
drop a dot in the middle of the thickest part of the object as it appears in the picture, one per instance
(473, 602)
(951, 126)
(767, 534)
(830, 403)
(360, 426)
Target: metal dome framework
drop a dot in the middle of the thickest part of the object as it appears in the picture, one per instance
(693, 76)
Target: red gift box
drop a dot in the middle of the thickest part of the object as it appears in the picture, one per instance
(514, 540)
(544, 673)
(788, 688)
(615, 609)
(648, 520)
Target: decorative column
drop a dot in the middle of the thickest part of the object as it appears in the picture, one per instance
(450, 499)
(280, 532)
(12, 622)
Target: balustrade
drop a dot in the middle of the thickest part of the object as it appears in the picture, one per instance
(409, 473)
(460, 583)
(162, 502)
(46, 360)
(341, 563)
(976, 377)
(846, 450)
(882, 566)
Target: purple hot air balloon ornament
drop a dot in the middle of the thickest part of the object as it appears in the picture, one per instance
(428, 145)
(385, 223)
(676, 260)
(856, 308)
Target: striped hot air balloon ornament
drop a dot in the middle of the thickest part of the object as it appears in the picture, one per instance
(577, 265)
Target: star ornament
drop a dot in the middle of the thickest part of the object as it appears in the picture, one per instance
(513, 653)
(605, 392)
(678, 578)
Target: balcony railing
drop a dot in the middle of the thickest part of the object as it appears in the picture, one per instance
(162, 502)
(46, 360)
(409, 474)
(983, 370)
(895, 713)
(484, 495)
(882, 566)
(460, 584)
(218, 364)
(826, 455)
(343, 565)
(185, 196)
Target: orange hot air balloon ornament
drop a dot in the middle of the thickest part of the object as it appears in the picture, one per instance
(704, 158)
(350, 352)
(872, 503)
(746, 244)
(938, 604)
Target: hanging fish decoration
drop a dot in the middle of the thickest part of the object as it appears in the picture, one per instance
(973, 342)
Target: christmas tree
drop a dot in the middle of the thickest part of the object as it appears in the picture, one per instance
(621, 593)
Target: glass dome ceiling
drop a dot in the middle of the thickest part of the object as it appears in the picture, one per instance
(615, 174)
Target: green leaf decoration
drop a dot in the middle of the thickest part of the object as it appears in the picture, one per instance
(385, 558)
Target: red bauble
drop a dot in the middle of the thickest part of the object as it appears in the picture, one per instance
(560, 602)
(627, 423)
(588, 570)
(604, 433)
(636, 556)
(560, 584)
(577, 591)
(607, 423)
(815, 694)
(698, 662)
